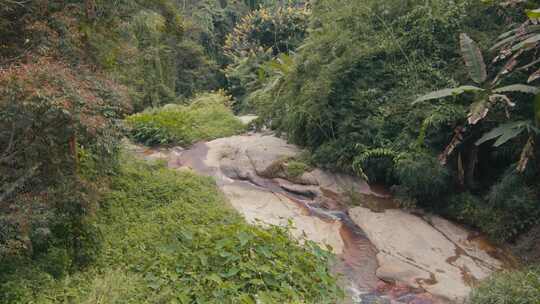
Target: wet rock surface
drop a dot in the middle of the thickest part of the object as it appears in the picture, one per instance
(432, 254)
(384, 255)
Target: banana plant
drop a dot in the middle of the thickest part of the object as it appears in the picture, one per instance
(522, 41)
(486, 94)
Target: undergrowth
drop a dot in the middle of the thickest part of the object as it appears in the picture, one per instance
(169, 237)
(519, 287)
(207, 117)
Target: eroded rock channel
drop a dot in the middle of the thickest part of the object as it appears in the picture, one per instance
(384, 254)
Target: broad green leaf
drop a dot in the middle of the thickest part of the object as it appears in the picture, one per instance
(518, 88)
(531, 41)
(478, 111)
(503, 133)
(509, 40)
(521, 30)
(448, 92)
(534, 14)
(510, 134)
(473, 58)
(214, 278)
(244, 238)
(534, 76)
(232, 272)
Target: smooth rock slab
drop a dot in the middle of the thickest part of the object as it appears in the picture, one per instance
(242, 158)
(267, 208)
(435, 257)
(248, 155)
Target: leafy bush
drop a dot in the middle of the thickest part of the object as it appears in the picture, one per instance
(423, 177)
(347, 95)
(170, 237)
(53, 120)
(296, 168)
(207, 117)
(511, 207)
(259, 37)
(517, 287)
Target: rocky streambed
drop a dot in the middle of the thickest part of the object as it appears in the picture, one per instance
(383, 254)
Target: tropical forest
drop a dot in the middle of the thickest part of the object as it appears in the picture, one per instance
(269, 151)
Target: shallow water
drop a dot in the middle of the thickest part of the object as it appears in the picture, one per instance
(356, 262)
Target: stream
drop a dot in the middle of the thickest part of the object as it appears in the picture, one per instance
(383, 254)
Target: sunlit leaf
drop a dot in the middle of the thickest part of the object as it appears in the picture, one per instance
(534, 14)
(518, 88)
(448, 92)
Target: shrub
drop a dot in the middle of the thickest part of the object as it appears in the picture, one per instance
(169, 236)
(259, 37)
(296, 168)
(207, 117)
(516, 287)
(48, 112)
(511, 208)
(423, 177)
(346, 95)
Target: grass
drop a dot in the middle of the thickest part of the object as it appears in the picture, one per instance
(207, 117)
(518, 287)
(169, 237)
(295, 168)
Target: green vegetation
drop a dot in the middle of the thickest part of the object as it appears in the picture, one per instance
(169, 237)
(296, 168)
(349, 80)
(207, 117)
(509, 288)
(59, 140)
(350, 94)
(257, 38)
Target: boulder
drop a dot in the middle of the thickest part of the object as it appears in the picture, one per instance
(264, 207)
(432, 254)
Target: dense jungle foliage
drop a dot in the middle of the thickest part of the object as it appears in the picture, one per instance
(351, 94)
(70, 71)
(436, 99)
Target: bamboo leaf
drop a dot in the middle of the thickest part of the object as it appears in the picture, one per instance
(518, 88)
(447, 92)
(473, 59)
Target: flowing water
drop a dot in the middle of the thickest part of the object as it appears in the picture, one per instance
(356, 264)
